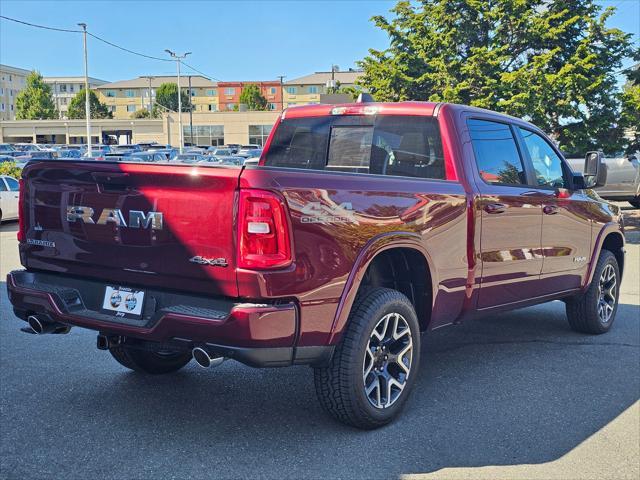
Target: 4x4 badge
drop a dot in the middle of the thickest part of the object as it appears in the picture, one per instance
(214, 262)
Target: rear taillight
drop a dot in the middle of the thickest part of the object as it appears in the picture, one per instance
(264, 239)
(22, 229)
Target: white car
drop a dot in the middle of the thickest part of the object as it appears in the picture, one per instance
(9, 193)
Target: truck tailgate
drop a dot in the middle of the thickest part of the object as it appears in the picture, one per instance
(169, 226)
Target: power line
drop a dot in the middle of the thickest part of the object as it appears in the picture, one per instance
(40, 26)
(127, 50)
(201, 73)
(124, 49)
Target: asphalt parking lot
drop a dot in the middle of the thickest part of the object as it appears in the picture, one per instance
(518, 395)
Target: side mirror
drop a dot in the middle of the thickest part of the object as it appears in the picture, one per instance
(595, 170)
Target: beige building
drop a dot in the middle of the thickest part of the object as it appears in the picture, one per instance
(64, 89)
(12, 80)
(215, 128)
(307, 90)
(125, 97)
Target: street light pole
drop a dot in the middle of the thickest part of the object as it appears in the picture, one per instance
(179, 58)
(87, 105)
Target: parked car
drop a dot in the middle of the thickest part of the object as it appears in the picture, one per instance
(76, 153)
(126, 148)
(218, 151)
(622, 176)
(95, 155)
(7, 149)
(234, 147)
(249, 151)
(28, 147)
(169, 153)
(365, 225)
(9, 193)
(190, 158)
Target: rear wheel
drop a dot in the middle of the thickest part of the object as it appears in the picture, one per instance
(376, 363)
(595, 310)
(144, 361)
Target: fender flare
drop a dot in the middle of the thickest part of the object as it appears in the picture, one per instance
(607, 228)
(367, 254)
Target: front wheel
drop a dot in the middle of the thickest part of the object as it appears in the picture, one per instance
(151, 362)
(595, 310)
(376, 363)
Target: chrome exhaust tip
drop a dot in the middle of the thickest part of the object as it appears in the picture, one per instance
(204, 359)
(41, 324)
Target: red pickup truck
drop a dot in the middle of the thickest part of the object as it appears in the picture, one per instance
(363, 226)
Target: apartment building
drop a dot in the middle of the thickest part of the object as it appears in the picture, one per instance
(64, 89)
(307, 90)
(125, 97)
(229, 98)
(12, 80)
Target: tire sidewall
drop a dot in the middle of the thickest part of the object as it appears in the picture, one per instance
(609, 259)
(400, 304)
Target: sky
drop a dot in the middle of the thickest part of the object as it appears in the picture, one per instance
(229, 40)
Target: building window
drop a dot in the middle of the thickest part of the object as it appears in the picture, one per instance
(1, 91)
(230, 91)
(71, 88)
(129, 93)
(2, 107)
(110, 93)
(204, 134)
(231, 106)
(131, 108)
(212, 92)
(272, 106)
(213, 107)
(10, 78)
(63, 88)
(292, 90)
(313, 89)
(272, 90)
(11, 92)
(193, 92)
(258, 134)
(112, 108)
(12, 107)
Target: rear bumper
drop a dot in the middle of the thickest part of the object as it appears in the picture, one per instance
(255, 334)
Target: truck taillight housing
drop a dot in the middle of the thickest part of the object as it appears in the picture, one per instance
(22, 228)
(264, 239)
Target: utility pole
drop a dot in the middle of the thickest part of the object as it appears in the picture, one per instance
(190, 114)
(87, 105)
(281, 77)
(150, 107)
(179, 58)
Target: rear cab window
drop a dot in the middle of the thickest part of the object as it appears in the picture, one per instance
(407, 146)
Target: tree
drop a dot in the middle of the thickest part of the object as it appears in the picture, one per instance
(630, 115)
(144, 113)
(353, 92)
(550, 62)
(167, 97)
(35, 102)
(252, 98)
(77, 109)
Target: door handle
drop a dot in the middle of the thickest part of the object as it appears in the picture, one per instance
(550, 209)
(495, 208)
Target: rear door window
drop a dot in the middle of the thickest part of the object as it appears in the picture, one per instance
(496, 153)
(408, 146)
(14, 186)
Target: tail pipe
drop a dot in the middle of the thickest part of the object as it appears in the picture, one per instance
(206, 359)
(41, 324)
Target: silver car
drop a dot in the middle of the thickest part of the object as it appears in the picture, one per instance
(623, 178)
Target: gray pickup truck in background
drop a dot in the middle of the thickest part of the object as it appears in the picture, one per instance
(622, 178)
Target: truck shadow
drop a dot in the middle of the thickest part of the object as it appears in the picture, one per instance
(517, 388)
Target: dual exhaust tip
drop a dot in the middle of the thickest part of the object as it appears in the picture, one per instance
(41, 324)
(206, 359)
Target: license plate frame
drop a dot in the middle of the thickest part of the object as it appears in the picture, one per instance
(123, 302)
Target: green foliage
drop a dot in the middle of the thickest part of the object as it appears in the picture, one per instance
(11, 169)
(167, 97)
(77, 108)
(35, 102)
(353, 92)
(144, 113)
(630, 114)
(550, 62)
(252, 98)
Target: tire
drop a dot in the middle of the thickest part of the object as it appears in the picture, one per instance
(588, 313)
(340, 386)
(635, 202)
(144, 361)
